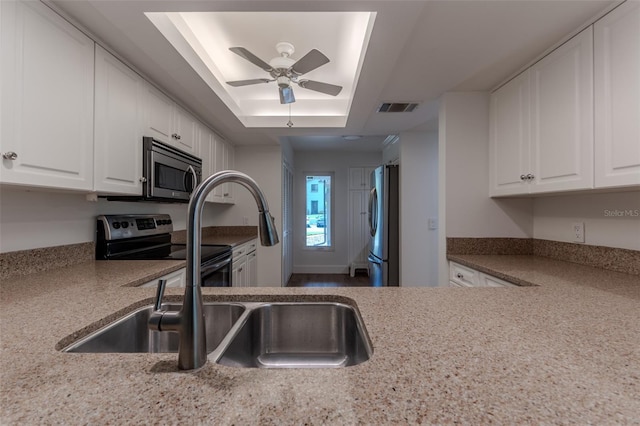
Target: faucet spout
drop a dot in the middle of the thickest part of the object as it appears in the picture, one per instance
(191, 325)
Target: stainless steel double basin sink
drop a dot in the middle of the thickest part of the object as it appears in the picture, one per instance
(251, 335)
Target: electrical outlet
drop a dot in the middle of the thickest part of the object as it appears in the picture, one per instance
(245, 220)
(578, 232)
(432, 223)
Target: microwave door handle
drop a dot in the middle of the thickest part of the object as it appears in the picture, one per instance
(195, 179)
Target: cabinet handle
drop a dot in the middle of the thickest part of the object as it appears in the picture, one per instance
(226, 194)
(459, 275)
(143, 179)
(10, 155)
(530, 176)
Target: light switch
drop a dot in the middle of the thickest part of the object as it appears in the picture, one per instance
(433, 223)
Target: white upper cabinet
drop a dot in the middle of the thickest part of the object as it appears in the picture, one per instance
(119, 125)
(47, 99)
(159, 115)
(542, 124)
(510, 137)
(562, 117)
(617, 97)
(359, 178)
(185, 131)
(169, 123)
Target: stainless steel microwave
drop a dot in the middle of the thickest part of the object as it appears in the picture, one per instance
(169, 174)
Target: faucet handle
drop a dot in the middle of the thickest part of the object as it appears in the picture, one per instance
(157, 302)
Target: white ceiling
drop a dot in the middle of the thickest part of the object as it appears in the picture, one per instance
(417, 51)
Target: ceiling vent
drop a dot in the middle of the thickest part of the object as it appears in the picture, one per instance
(397, 107)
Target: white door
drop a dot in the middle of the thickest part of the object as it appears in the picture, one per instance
(47, 99)
(509, 139)
(119, 97)
(562, 117)
(617, 97)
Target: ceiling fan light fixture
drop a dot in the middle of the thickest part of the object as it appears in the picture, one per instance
(283, 81)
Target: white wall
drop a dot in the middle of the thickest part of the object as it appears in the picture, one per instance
(611, 220)
(418, 203)
(336, 260)
(264, 165)
(466, 209)
(33, 219)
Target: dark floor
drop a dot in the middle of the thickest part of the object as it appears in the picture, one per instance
(329, 280)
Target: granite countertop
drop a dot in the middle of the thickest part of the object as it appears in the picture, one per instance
(566, 350)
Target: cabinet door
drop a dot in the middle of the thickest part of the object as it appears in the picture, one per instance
(239, 273)
(252, 270)
(229, 164)
(562, 117)
(119, 95)
(217, 153)
(617, 97)
(47, 99)
(509, 139)
(358, 236)
(184, 131)
(159, 112)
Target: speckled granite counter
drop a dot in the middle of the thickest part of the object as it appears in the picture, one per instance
(565, 351)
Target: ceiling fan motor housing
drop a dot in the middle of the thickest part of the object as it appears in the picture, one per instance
(283, 81)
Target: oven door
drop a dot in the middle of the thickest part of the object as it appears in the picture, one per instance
(216, 272)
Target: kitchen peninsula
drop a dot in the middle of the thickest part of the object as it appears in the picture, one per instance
(563, 349)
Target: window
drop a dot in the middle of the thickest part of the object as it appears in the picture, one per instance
(318, 210)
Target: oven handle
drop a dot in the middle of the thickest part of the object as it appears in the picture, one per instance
(205, 269)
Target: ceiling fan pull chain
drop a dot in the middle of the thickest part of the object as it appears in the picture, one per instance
(289, 123)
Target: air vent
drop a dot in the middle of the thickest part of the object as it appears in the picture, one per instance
(397, 107)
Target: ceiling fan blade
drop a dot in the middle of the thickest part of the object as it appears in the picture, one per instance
(248, 82)
(309, 62)
(286, 95)
(241, 51)
(318, 86)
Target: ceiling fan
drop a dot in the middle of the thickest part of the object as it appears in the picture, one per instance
(285, 71)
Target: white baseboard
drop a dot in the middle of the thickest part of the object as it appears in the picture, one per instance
(321, 269)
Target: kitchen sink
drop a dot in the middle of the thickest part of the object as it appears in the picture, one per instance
(250, 335)
(131, 333)
(298, 335)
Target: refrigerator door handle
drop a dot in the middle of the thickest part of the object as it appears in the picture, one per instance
(373, 213)
(373, 259)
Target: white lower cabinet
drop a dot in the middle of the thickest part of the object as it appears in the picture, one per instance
(174, 279)
(463, 276)
(244, 272)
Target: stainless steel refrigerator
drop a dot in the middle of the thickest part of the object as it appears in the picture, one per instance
(384, 261)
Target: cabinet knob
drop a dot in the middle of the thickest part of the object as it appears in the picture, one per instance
(523, 177)
(176, 136)
(10, 155)
(459, 275)
(226, 194)
(530, 176)
(143, 179)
